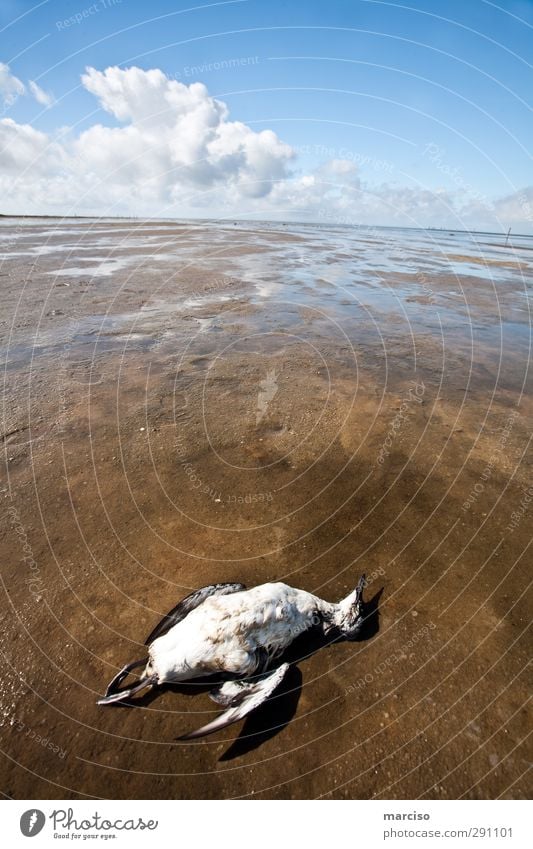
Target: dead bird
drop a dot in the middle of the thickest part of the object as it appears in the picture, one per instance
(236, 634)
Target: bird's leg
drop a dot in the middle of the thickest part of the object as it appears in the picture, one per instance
(124, 672)
(128, 692)
(241, 698)
(114, 694)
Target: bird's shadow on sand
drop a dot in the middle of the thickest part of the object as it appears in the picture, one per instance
(276, 713)
(273, 716)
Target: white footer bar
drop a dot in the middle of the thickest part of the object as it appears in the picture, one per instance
(267, 824)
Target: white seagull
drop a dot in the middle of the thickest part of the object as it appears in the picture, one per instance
(236, 634)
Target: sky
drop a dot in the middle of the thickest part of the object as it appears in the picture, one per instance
(348, 111)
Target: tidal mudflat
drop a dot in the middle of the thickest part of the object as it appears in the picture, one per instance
(193, 402)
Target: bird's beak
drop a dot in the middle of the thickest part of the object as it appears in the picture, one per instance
(359, 589)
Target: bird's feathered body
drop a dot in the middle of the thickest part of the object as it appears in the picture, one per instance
(236, 634)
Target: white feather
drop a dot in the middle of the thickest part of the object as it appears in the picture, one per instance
(225, 632)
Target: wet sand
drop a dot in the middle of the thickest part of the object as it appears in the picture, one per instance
(192, 403)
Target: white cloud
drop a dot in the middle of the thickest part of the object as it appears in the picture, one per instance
(23, 147)
(177, 137)
(338, 194)
(10, 86)
(516, 207)
(173, 150)
(174, 146)
(342, 166)
(41, 96)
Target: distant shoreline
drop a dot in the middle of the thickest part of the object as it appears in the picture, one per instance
(451, 230)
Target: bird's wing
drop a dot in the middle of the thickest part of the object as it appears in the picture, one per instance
(189, 603)
(241, 697)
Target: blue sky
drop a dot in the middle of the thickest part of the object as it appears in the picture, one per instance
(421, 98)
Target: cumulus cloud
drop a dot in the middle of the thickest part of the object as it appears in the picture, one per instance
(172, 143)
(176, 137)
(10, 86)
(170, 148)
(22, 147)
